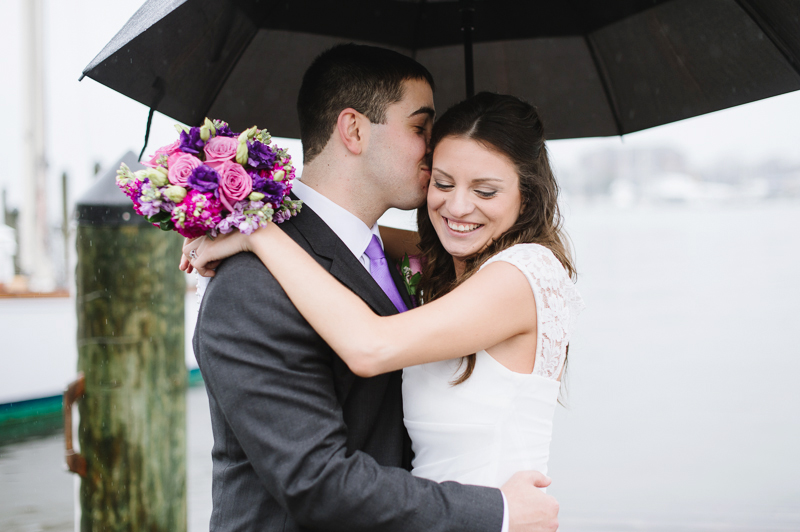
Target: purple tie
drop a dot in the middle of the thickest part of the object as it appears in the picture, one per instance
(379, 269)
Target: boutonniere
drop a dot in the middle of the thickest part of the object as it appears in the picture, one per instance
(410, 271)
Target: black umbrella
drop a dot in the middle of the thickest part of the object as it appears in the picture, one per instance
(592, 67)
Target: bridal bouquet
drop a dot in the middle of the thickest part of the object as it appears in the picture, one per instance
(212, 180)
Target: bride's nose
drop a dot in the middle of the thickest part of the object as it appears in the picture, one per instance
(459, 204)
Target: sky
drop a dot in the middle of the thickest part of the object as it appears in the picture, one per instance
(89, 123)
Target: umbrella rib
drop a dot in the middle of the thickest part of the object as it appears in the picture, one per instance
(604, 81)
(752, 11)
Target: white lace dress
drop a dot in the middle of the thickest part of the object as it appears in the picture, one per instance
(497, 422)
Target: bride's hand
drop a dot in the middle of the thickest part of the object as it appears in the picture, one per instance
(204, 254)
(185, 265)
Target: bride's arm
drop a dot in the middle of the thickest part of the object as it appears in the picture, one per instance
(493, 305)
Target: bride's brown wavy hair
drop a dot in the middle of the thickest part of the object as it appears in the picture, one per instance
(512, 128)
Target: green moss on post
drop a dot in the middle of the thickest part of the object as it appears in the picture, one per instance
(130, 304)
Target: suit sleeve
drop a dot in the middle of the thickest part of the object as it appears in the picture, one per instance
(271, 375)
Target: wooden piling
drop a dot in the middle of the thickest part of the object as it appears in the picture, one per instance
(132, 433)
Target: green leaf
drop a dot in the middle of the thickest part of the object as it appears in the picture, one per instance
(158, 217)
(411, 281)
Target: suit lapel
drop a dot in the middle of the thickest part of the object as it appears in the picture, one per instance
(332, 253)
(344, 266)
(353, 275)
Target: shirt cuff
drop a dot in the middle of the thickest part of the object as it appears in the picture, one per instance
(505, 513)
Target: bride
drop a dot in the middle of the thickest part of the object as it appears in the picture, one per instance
(485, 352)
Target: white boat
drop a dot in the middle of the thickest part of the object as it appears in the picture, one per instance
(39, 355)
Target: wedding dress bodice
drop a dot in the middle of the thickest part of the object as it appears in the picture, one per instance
(497, 422)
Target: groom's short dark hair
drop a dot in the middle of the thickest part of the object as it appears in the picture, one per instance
(366, 78)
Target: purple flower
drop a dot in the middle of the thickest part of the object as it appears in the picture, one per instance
(280, 216)
(137, 207)
(150, 199)
(258, 180)
(225, 131)
(132, 189)
(149, 208)
(204, 178)
(259, 155)
(272, 190)
(196, 214)
(246, 216)
(236, 218)
(229, 223)
(191, 141)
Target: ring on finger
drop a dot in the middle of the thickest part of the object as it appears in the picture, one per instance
(193, 254)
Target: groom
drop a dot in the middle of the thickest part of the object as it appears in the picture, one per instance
(300, 442)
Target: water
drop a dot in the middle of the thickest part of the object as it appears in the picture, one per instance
(684, 411)
(37, 493)
(684, 407)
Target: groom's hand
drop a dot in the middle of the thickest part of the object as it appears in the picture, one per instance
(530, 509)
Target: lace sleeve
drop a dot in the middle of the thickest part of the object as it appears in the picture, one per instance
(558, 303)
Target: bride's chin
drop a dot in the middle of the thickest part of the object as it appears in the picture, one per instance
(450, 248)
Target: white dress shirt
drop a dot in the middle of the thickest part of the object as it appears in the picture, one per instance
(348, 227)
(356, 236)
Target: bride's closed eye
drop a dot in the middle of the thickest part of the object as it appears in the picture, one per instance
(442, 186)
(486, 193)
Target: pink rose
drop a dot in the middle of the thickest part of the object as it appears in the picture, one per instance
(415, 263)
(163, 150)
(220, 149)
(180, 166)
(234, 183)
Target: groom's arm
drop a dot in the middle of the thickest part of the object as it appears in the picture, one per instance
(272, 377)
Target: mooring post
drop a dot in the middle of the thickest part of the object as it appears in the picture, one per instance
(130, 305)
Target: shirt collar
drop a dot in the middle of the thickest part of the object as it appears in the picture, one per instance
(348, 227)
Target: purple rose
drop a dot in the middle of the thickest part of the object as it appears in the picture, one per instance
(191, 141)
(259, 155)
(204, 178)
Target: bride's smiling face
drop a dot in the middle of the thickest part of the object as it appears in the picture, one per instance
(473, 197)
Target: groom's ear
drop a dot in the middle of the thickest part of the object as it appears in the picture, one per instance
(353, 129)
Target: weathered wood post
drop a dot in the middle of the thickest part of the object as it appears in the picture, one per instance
(130, 304)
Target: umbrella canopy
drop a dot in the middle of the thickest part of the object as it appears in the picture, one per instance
(592, 67)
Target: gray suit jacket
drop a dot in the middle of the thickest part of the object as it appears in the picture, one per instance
(300, 442)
